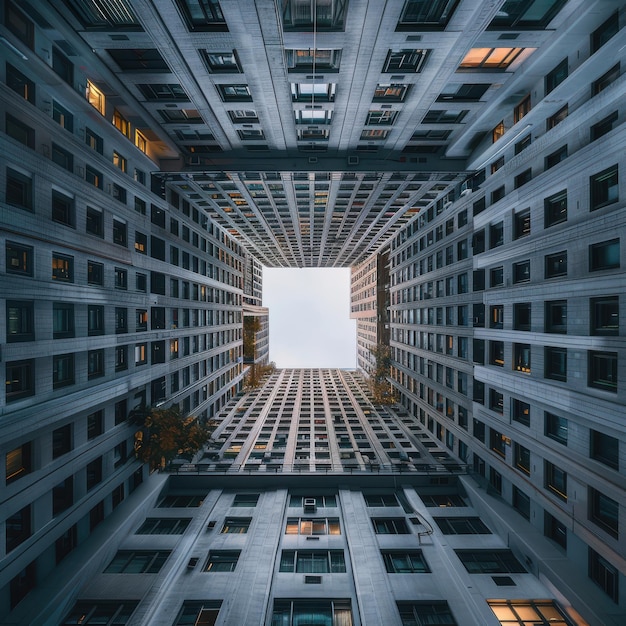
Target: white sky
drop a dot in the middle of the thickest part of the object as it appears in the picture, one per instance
(310, 323)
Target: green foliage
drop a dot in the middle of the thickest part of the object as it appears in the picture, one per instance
(256, 375)
(380, 387)
(167, 434)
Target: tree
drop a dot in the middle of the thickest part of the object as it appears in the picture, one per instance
(256, 375)
(382, 391)
(166, 434)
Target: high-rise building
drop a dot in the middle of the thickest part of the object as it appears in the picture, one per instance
(463, 157)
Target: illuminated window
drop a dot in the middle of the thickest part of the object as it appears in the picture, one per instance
(121, 123)
(522, 612)
(96, 98)
(497, 132)
(490, 58)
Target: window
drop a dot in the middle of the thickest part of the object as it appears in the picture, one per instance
(163, 526)
(246, 500)
(605, 575)
(120, 162)
(497, 442)
(141, 282)
(94, 177)
(604, 32)
(556, 427)
(381, 500)
(522, 109)
(556, 316)
(442, 500)
(377, 117)
(222, 560)
(141, 60)
(137, 562)
(95, 319)
(438, 116)
(19, 190)
(182, 501)
(312, 561)
(462, 526)
(604, 448)
(555, 480)
(521, 458)
(141, 353)
(20, 319)
(95, 424)
(521, 502)
(20, 84)
(63, 496)
(604, 512)
(525, 612)
(604, 255)
(62, 66)
(234, 93)
(309, 16)
(62, 267)
(310, 116)
(62, 320)
(95, 142)
(390, 526)
(95, 363)
(120, 276)
(236, 525)
(311, 611)
(602, 370)
(490, 59)
(405, 562)
(521, 272)
(465, 92)
(95, 273)
(198, 613)
(557, 118)
(555, 209)
(605, 80)
(555, 77)
(18, 24)
(556, 264)
(119, 232)
(604, 188)
(221, 62)
(312, 526)
(555, 157)
(20, 131)
(555, 530)
(405, 60)
(172, 92)
(61, 441)
(535, 15)
(96, 98)
(604, 315)
(603, 127)
(386, 92)
(496, 276)
(521, 357)
(496, 353)
(97, 613)
(95, 222)
(62, 116)
(19, 462)
(121, 358)
(62, 370)
(522, 316)
(304, 60)
(555, 361)
(426, 612)
(520, 411)
(490, 562)
(18, 528)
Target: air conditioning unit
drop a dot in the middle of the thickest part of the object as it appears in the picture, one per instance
(353, 160)
(310, 505)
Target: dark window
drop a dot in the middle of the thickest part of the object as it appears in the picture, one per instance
(23, 583)
(556, 316)
(94, 472)
(312, 562)
(555, 363)
(520, 411)
(462, 526)
(521, 357)
(604, 32)
(119, 232)
(62, 320)
(442, 500)
(236, 525)
(62, 268)
(490, 562)
(556, 427)
(521, 502)
(555, 157)
(222, 561)
(95, 142)
(20, 131)
(555, 530)
(183, 501)
(557, 118)
(18, 528)
(390, 526)
(157, 283)
(603, 127)
(604, 255)
(426, 612)
(139, 60)
(521, 457)
(62, 370)
(20, 84)
(556, 264)
(521, 224)
(604, 512)
(95, 222)
(523, 144)
(62, 66)
(605, 575)
(63, 496)
(62, 116)
(604, 188)
(521, 272)
(20, 320)
(602, 370)
(19, 25)
(523, 178)
(405, 60)
(164, 526)
(221, 62)
(121, 358)
(604, 315)
(404, 562)
(94, 177)
(555, 77)
(172, 92)
(234, 93)
(555, 480)
(521, 316)
(19, 190)
(62, 157)
(496, 353)
(95, 319)
(555, 209)
(604, 448)
(137, 562)
(496, 276)
(95, 363)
